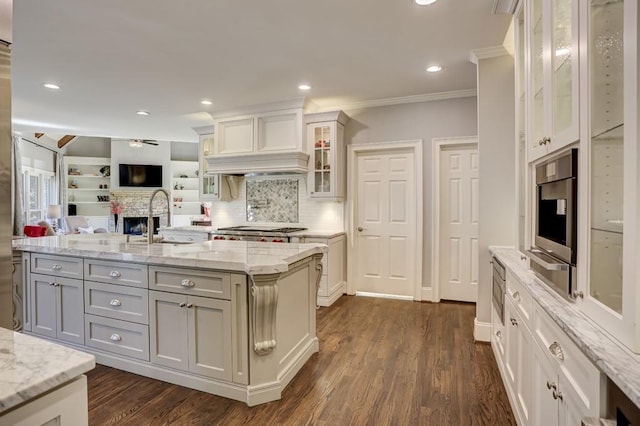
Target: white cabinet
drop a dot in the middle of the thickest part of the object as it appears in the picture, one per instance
(327, 164)
(279, 131)
(553, 75)
(333, 282)
(57, 308)
(212, 186)
(87, 184)
(185, 195)
(191, 333)
(607, 261)
(517, 360)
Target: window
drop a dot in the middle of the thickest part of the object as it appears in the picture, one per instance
(41, 189)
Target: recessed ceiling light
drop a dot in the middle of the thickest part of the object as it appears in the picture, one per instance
(304, 87)
(434, 68)
(51, 86)
(424, 2)
(142, 112)
(206, 102)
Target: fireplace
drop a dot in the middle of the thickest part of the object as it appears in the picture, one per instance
(138, 225)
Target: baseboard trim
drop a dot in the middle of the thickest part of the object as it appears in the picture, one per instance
(481, 331)
(427, 294)
(384, 296)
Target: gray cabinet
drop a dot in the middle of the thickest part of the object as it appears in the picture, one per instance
(191, 333)
(57, 307)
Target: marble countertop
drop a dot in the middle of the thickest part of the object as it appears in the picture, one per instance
(250, 257)
(611, 357)
(30, 366)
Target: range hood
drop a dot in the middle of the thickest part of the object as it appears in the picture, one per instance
(263, 163)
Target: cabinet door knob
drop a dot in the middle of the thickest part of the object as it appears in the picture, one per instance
(115, 302)
(115, 337)
(360, 229)
(187, 283)
(556, 350)
(551, 385)
(516, 295)
(514, 322)
(557, 395)
(190, 305)
(52, 284)
(577, 294)
(499, 334)
(546, 140)
(182, 304)
(115, 274)
(56, 267)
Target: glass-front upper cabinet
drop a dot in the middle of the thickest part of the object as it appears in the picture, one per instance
(208, 183)
(554, 63)
(609, 28)
(521, 142)
(327, 162)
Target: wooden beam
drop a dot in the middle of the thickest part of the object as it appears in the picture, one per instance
(65, 140)
(39, 135)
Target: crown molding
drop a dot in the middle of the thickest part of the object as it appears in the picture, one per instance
(427, 97)
(486, 53)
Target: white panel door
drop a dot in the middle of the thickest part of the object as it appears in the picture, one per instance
(458, 246)
(386, 223)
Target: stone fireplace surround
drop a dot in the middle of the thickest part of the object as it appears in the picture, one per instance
(136, 204)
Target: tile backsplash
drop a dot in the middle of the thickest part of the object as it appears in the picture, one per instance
(316, 215)
(272, 200)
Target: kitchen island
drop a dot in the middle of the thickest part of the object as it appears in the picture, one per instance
(232, 318)
(41, 381)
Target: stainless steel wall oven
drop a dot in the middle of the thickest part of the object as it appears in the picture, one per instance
(553, 257)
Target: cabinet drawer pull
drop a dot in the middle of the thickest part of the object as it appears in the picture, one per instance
(182, 305)
(115, 337)
(115, 302)
(551, 385)
(556, 350)
(115, 274)
(557, 395)
(190, 239)
(187, 283)
(56, 267)
(516, 296)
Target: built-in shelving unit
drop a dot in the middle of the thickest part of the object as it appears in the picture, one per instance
(185, 194)
(87, 186)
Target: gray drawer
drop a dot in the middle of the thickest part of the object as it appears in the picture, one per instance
(60, 266)
(119, 337)
(131, 274)
(115, 301)
(191, 281)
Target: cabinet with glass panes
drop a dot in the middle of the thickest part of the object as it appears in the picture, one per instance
(327, 161)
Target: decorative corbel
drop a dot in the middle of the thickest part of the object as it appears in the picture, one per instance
(264, 292)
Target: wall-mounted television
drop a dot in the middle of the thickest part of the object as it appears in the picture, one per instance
(144, 175)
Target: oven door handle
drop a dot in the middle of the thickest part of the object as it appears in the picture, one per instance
(541, 259)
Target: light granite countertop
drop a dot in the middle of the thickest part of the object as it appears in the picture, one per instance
(188, 228)
(317, 233)
(612, 358)
(250, 257)
(30, 367)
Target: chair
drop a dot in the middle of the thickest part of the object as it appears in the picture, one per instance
(35, 231)
(50, 231)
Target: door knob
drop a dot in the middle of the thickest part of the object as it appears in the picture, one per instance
(360, 229)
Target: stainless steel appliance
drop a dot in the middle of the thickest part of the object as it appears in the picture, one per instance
(553, 257)
(498, 287)
(6, 286)
(272, 234)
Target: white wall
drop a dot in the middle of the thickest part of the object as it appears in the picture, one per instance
(426, 121)
(37, 157)
(86, 146)
(496, 142)
(184, 151)
(121, 152)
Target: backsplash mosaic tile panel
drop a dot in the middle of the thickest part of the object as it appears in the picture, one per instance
(272, 200)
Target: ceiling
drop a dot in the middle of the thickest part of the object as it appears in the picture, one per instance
(112, 58)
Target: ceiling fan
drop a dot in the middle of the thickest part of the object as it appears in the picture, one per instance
(137, 143)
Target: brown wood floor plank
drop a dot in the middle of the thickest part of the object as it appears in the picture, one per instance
(381, 361)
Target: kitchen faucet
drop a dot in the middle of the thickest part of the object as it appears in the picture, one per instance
(150, 218)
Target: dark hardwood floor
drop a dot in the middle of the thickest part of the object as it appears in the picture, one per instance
(381, 362)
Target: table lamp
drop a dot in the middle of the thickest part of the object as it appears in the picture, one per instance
(54, 212)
